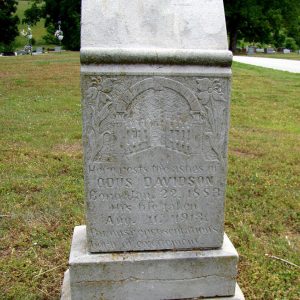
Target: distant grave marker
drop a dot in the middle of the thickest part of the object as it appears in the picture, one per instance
(39, 50)
(270, 51)
(251, 50)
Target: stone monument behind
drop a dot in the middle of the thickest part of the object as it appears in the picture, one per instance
(155, 88)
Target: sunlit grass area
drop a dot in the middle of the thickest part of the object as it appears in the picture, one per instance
(293, 55)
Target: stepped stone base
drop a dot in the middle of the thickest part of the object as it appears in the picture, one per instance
(150, 275)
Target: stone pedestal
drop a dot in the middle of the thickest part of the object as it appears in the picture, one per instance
(150, 275)
(66, 292)
(155, 79)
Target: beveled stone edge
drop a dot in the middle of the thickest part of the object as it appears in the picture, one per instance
(93, 55)
(79, 253)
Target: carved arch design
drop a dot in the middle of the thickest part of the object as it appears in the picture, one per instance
(158, 83)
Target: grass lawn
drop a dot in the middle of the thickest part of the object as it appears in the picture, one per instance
(41, 176)
(293, 56)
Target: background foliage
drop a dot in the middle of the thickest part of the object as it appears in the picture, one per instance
(52, 11)
(261, 22)
(8, 24)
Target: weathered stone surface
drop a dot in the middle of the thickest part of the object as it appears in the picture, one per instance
(155, 159)
(66, 292)
(151, 275)
(221, 58)
(156, 85)
(66, 289)
(177, 24)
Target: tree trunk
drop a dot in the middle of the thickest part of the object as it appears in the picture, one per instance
(233, 40)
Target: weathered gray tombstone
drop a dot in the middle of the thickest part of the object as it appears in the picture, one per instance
(57, 49)
(155, 88)
(260, 50)
(251, 50)
(270, 51)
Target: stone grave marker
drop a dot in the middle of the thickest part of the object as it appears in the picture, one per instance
(57, 49)
(260, 50)
(251, 50)
(156, 89)
(270, 51)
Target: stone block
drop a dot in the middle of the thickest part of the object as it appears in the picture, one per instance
(156, 92)
(155, 145)
(66, 292)
(177, 24)
(151, 275)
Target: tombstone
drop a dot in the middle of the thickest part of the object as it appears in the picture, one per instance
(39, 50)
(286, 51)
(251, 50)
(260, 50)
(28, 49)
(270, 51)
(156, 89)
(21, 52)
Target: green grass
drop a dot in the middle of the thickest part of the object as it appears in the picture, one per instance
(38, 31)
(41, 173)
(293, 56)
(263, 208)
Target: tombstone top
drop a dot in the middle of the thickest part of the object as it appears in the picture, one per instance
(155, 24)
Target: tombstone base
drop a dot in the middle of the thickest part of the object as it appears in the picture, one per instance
(150, 275)
(66, 292)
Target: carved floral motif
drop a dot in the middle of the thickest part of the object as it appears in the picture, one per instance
(213, 100)
(100, 106)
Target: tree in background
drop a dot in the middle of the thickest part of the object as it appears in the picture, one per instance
(66, 11)
(263, 21)
(8, 23)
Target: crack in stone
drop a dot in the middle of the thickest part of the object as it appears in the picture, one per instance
(145, 280)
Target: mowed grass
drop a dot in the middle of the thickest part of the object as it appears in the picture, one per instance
(42, 196)
(263, 191)
(41, 172)
(292, 56)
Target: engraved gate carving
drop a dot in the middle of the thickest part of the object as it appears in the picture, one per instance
(155, 112)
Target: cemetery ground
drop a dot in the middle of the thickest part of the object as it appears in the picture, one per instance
(41, 190)
(292, 56)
